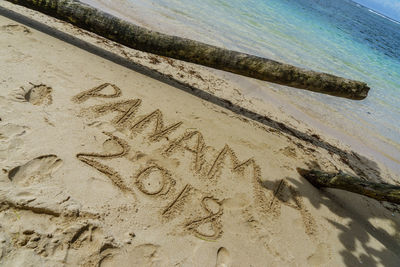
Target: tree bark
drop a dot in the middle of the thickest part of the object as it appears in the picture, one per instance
(139, 38)
(340, 180)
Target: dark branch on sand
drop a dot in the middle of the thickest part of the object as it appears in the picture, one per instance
(133, 36)
(340, 180)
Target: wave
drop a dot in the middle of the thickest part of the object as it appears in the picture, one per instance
(383, 16)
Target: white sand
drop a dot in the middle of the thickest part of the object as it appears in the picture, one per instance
(106, 163)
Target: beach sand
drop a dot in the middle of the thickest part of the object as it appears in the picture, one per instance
(114, 157)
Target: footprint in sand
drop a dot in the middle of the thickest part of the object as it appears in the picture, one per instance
(142, 255)
(36, 94)
(35, 170)
(11, 28)
(223, 258)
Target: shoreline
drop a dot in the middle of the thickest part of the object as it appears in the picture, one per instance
(370, 146)
(112, 156)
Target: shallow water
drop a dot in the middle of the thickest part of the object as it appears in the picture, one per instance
(338, 36)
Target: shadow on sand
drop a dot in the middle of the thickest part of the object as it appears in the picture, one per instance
(358, 230)
(362, 166)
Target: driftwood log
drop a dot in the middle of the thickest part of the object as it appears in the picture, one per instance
(139, 38)
(340, 180)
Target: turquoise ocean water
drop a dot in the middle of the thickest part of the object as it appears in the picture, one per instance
(336, 36)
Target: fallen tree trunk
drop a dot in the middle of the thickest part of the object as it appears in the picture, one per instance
(133, 36)
(378, 191)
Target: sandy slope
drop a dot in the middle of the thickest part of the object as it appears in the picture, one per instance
(108, 163)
